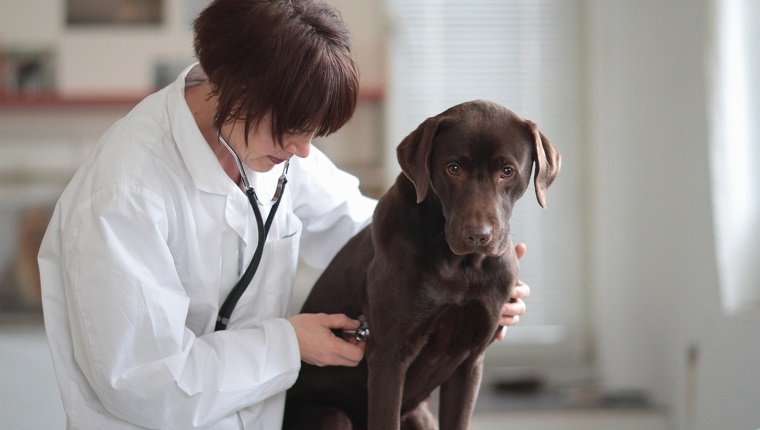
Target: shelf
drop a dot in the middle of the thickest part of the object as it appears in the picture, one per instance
(52, 100)
(57, 101)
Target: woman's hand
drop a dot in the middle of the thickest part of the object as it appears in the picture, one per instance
(515, 307)
(320, 346)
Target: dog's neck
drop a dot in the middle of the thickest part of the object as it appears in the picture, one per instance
(474, 260)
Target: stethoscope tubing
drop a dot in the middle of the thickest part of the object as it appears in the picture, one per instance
(225, 311)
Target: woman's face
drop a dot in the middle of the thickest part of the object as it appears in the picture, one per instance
(263, 152)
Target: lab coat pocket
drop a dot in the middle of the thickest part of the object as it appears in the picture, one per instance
(270, 292)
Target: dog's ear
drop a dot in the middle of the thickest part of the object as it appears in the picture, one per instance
(413, 155)
(547, 161)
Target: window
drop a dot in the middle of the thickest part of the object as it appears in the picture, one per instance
(523, 54)
(736, 153)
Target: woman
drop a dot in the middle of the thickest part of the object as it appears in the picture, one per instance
(154, 230)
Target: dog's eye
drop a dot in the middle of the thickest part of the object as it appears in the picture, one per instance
(507, 172)
(454, 169)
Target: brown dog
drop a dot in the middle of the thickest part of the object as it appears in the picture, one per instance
(429, 276)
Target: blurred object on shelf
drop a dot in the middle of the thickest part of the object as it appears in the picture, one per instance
(20, 286)
(26, 71)
(114, 12)
(165, 71)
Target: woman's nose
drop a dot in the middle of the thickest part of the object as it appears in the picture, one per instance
(300, 146)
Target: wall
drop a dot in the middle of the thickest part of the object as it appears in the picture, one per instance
(29, 398)
(728, 381)
(96, 59)
(121, 59)
(653, 272)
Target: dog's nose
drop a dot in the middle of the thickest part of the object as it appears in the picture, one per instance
(479, 235)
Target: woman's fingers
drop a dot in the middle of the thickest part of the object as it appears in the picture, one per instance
(319, 346)
(520, 250)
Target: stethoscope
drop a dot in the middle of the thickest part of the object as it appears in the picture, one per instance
(223, 318)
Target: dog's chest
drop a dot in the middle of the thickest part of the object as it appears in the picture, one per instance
(460, 309)
(457, 284)
(457, 332)
(463, 306)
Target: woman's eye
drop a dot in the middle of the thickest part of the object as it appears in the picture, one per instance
(507, 172)
(454, 169)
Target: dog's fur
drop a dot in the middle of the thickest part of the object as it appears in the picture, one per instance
(429, 275)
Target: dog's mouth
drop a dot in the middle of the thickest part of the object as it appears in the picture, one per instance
(489, 244)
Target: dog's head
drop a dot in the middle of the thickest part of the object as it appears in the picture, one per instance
(476, 158)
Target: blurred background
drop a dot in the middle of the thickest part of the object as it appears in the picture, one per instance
(645, 305)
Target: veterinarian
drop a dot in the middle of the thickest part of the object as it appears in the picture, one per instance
(161, 222)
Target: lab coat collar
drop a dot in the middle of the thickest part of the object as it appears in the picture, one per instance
(200, 160)
(202, 165)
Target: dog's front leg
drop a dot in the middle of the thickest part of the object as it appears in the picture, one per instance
(458, 394)
(385, 385)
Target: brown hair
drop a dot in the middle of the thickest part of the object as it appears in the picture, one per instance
(287, 58)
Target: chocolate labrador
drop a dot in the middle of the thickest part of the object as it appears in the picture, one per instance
(429, 275)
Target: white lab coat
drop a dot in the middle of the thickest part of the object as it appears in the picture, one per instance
(145, 244)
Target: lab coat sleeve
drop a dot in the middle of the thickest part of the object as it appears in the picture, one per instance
(331, 207)
(127, 310)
